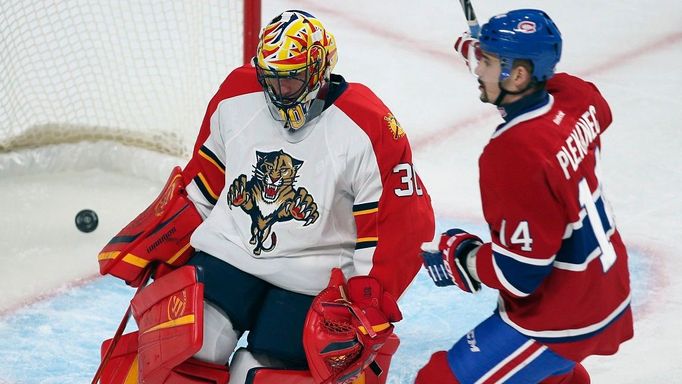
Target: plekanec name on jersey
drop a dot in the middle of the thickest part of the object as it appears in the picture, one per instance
(586, 130)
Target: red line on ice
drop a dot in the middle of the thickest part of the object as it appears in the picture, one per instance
(47, 295)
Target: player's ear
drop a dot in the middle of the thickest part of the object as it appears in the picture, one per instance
(521, 76)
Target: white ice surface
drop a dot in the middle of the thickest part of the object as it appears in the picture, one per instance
(54, 313)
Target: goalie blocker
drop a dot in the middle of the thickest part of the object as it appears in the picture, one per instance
(160, 234)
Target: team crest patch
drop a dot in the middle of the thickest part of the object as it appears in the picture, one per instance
(270, 196)
(526, 26)
(394, 126)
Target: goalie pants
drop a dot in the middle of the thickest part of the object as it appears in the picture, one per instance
(273, 316)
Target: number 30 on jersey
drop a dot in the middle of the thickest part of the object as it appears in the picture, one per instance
(409, 183)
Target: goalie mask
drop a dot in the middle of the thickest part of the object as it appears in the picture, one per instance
(294, 60)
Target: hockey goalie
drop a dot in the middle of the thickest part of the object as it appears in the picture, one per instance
(293, 228)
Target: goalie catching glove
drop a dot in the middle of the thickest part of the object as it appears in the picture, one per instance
(447, 265)
(346, 327)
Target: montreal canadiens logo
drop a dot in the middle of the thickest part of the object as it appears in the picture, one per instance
(526, 27)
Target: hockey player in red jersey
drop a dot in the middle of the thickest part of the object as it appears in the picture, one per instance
(555, 255)
(298, 181)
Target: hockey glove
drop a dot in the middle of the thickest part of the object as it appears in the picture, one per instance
(448, 264)
(467, 46)
(346, 327)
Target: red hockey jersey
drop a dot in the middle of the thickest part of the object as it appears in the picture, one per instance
(556, 257)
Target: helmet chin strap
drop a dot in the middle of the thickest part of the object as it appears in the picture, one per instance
(505, 92)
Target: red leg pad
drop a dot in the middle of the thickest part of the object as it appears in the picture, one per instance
(194, 371)
(169, 314)
(122, 364)
(278, 376)
(122, 367)
(282, 376)
(437, 370)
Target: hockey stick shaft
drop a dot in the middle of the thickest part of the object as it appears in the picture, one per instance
(119, 331)
(474, 27)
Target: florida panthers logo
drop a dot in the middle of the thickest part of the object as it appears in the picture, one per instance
(270, 197)
(394, 126)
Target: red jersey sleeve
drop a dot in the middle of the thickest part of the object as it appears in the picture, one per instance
(402, 219)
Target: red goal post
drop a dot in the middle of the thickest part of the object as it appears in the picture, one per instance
(252, 24)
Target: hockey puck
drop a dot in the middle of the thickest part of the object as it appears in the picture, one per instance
(86, 220)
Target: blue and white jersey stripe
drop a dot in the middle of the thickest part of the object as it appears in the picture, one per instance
(520, 275)
(580, 246)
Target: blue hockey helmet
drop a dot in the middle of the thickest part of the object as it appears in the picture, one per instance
(523, 34)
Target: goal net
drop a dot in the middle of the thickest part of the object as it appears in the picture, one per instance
(134, 72)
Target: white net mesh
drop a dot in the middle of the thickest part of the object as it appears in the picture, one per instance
(131, 71)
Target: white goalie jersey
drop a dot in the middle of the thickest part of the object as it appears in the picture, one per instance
(287, 206)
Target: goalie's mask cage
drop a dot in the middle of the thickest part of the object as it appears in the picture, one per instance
(291, 94)
(294, 60)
